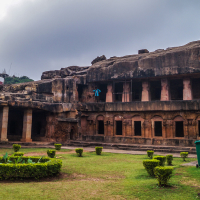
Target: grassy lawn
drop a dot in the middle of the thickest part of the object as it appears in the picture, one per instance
(109, 176)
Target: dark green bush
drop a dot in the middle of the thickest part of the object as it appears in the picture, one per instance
(18, 154)
(46, 167)
(150, 153)
(184, 155)
(98, 150)
(162, 159)
(57, 146)
(79, 152)
(169, 159)
(163, 174)
(16, 147)
(150, 165)
(51, 153)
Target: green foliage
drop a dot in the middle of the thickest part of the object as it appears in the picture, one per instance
(98, 150)
(163, 174)
(16, 147)
(5, 158)
(162, 159)
(14, 80)
(58, 146)
(79, 152)
(51, 153)
(150, 165)
(18, 154)
(30, 167)
(184, 155)
(169, 159)
(150, 153)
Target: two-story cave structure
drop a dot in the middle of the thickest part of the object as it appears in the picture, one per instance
(147, 98)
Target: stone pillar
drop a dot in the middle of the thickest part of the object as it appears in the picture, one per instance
(145, 91)
(109, 95)
(27, 125)
(164, 90)
(4, 123)
(126, 92)
(187, 91)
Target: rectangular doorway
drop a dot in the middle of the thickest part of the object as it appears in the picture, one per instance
(118, 127)
(179, 129)
(158, 128)
(137, 128)
(100, 127)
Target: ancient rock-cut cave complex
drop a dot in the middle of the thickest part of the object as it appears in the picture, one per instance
(147, 98)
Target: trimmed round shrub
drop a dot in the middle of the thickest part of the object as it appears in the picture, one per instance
(98, 150)
(184, 155)
(16, 147)
(162, 159)
(18, 154)
(150, 165)
(51, 153)
(169, 159)
(38, 167)
(163, 174)
(150, 153)
(58, 146)
(79, 152)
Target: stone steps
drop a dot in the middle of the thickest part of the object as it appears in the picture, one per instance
(135, 147)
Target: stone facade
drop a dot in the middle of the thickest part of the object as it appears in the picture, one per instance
(148, 98)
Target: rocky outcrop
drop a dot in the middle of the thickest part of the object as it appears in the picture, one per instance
(172, 61)
(97, 59)
(64, 72)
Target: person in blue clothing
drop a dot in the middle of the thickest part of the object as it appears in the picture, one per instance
(96, 92)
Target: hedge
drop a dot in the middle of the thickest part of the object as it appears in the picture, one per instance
(150, 153)
(98, 150)
(163, 174)
(51, 153)
(79, 152)
(16, 147)
(57, 146)
(46, 167)
(150, 165)
(18, 154)
(169, 159)
(184, 155)
(162, 159)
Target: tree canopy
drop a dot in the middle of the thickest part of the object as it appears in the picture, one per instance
(15, 79)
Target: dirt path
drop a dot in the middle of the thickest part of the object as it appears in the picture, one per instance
(45, 154)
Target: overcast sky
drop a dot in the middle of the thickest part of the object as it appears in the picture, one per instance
(42, 35)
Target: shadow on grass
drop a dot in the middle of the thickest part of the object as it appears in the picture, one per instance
(57, 177)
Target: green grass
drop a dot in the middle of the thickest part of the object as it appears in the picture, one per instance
(109, 176)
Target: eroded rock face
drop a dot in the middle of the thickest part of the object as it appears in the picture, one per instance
(97, 59)
(64, 72)
(172, 61)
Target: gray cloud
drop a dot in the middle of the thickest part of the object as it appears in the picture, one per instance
(46, 34)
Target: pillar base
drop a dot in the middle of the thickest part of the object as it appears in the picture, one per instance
(3, 140)
(26, 140)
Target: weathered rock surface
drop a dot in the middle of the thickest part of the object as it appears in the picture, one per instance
(97, 59)
(172, 61)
